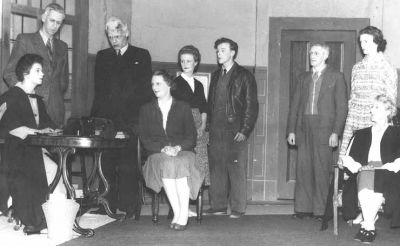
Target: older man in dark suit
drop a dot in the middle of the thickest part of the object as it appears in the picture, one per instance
(122, 85)
(55, 63)
(316, 120)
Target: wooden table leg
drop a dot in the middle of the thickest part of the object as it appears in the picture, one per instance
(62, 169)
(101, 198)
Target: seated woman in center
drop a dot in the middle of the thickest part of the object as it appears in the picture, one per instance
(168, 133)
(373, 164)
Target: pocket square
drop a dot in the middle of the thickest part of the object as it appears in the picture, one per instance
(136, 62)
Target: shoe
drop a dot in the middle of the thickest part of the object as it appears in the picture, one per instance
(172, 225)
(235, 215)
(212, 211)
(360, 234)
(30, 229)
(368, 237)
(301, 215)
(178, 227)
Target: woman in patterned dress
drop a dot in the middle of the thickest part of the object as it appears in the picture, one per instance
(191, 90)
(371, 76)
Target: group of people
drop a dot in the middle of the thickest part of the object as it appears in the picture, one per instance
(192, 141)
(321, 114)
(171, 117)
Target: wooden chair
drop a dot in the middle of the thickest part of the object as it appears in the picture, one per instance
(337, 193)
(155, 203)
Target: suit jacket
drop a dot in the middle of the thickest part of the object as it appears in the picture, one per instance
(242, 101)
(332, 104)
(122, 85)
(55, 80)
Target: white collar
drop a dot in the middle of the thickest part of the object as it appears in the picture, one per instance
(123, 49)
(229, 67)
(44, 36)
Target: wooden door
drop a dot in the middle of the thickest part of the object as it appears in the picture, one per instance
(295, 46)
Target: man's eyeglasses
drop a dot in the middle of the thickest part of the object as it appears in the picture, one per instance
(116, 37)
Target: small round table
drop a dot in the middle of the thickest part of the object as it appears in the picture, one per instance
(66, 145)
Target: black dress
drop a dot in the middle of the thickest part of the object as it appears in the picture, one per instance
(26, 176)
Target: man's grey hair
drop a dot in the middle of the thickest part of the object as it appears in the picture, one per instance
(114, 23)
(323, 45)
(55, 7)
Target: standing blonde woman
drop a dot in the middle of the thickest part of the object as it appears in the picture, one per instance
(372, 76)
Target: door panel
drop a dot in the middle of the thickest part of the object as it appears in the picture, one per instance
(295, 45)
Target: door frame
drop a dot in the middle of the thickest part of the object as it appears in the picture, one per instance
(274, 100)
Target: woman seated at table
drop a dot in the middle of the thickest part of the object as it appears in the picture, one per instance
(168, 133)
(373, 162)
(29, 168)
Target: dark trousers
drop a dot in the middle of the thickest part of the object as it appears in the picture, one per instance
(120, 169)
(228, 164)
(4, 191)
(314, 165)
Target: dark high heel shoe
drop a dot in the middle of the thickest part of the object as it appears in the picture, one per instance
(30, 229)
(179, 227)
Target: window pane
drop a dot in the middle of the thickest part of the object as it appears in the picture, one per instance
(66, 34)
(70, 60)
(45, 2)
(61, 2)
(70, 7)
(29, 24)
(22, 2)
(36, 3)
(16, 26)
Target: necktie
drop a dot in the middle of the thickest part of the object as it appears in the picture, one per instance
(49, 49)
(315, 76)
(224, 72)
(119, 53)
(33, 95)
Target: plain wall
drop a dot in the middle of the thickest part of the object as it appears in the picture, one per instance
(163, 27)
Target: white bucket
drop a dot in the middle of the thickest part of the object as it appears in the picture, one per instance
(60, 215)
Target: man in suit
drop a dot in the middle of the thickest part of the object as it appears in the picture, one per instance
(55, 63)
(316, 119)
(233, 113)
(122, 85)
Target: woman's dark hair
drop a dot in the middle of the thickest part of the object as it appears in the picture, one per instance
(190, 49)
(233, 45)
(25, 64)
(166, 77)
(377, 37)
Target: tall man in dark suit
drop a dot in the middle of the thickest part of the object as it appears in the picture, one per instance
(233, 113)
(122, 85)
(316, 119)
(55, 63)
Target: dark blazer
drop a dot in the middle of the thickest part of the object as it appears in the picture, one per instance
(242, 101)
(180, 128)
(55, 80)
(26, 175)
(332, 104)
(196, 98)
(385, 181)
(122, 85)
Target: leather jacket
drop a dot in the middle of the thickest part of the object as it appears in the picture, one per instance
(242, 102)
